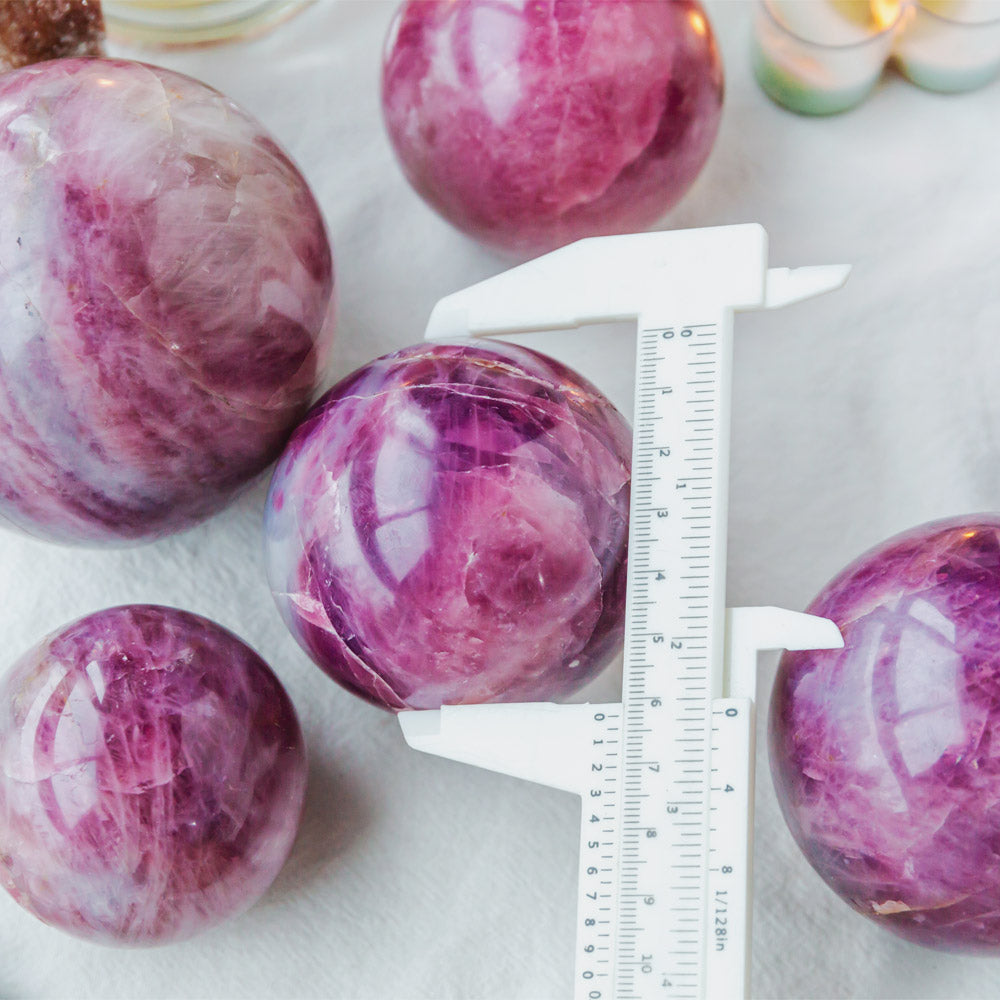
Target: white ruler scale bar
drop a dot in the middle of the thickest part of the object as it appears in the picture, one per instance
(665, 776)
(674, 629)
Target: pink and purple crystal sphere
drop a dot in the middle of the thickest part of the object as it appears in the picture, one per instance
(886, 754)
(166, 285)
(531, 125)
(450, 525)
(152, 775)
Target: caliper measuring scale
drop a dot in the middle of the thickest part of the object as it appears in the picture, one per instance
(666, 776)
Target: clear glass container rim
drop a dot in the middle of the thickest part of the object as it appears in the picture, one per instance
(952, 21)
(128, 21)
(768, 5)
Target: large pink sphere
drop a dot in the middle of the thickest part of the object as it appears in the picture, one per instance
(530, 125)
(152, 774)
(886, 753)
(165, 282)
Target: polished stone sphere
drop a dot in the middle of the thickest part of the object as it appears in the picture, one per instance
(886, 753)
(530, 125)
(165, 285)
(449, 525)
(152, 775)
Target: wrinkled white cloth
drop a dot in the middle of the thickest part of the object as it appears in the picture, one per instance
(856, 415)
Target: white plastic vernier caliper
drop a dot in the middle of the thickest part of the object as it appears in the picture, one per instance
(666, 776)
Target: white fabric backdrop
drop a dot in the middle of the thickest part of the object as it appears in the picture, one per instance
(855, 415)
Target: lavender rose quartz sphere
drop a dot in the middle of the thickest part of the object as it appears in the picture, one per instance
(886, 754)
(152, 774)
(530, 125)
(449, 525)
(165, 286)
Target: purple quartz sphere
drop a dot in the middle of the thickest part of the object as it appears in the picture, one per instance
(152, 774)
(886, 754)
(450, 525)
(165, 285)
(530, 125)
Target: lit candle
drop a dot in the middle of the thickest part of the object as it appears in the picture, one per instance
(950, 45)
(822, 56)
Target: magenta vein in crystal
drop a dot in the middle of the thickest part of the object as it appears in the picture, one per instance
(449, 525)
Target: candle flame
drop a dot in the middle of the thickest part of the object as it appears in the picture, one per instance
(885, 12)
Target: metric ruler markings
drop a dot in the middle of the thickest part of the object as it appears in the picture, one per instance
(598, 849)
(666, 698)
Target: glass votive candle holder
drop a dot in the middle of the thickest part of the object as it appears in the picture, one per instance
(950, 45)
(819, 57)
(169, 23)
